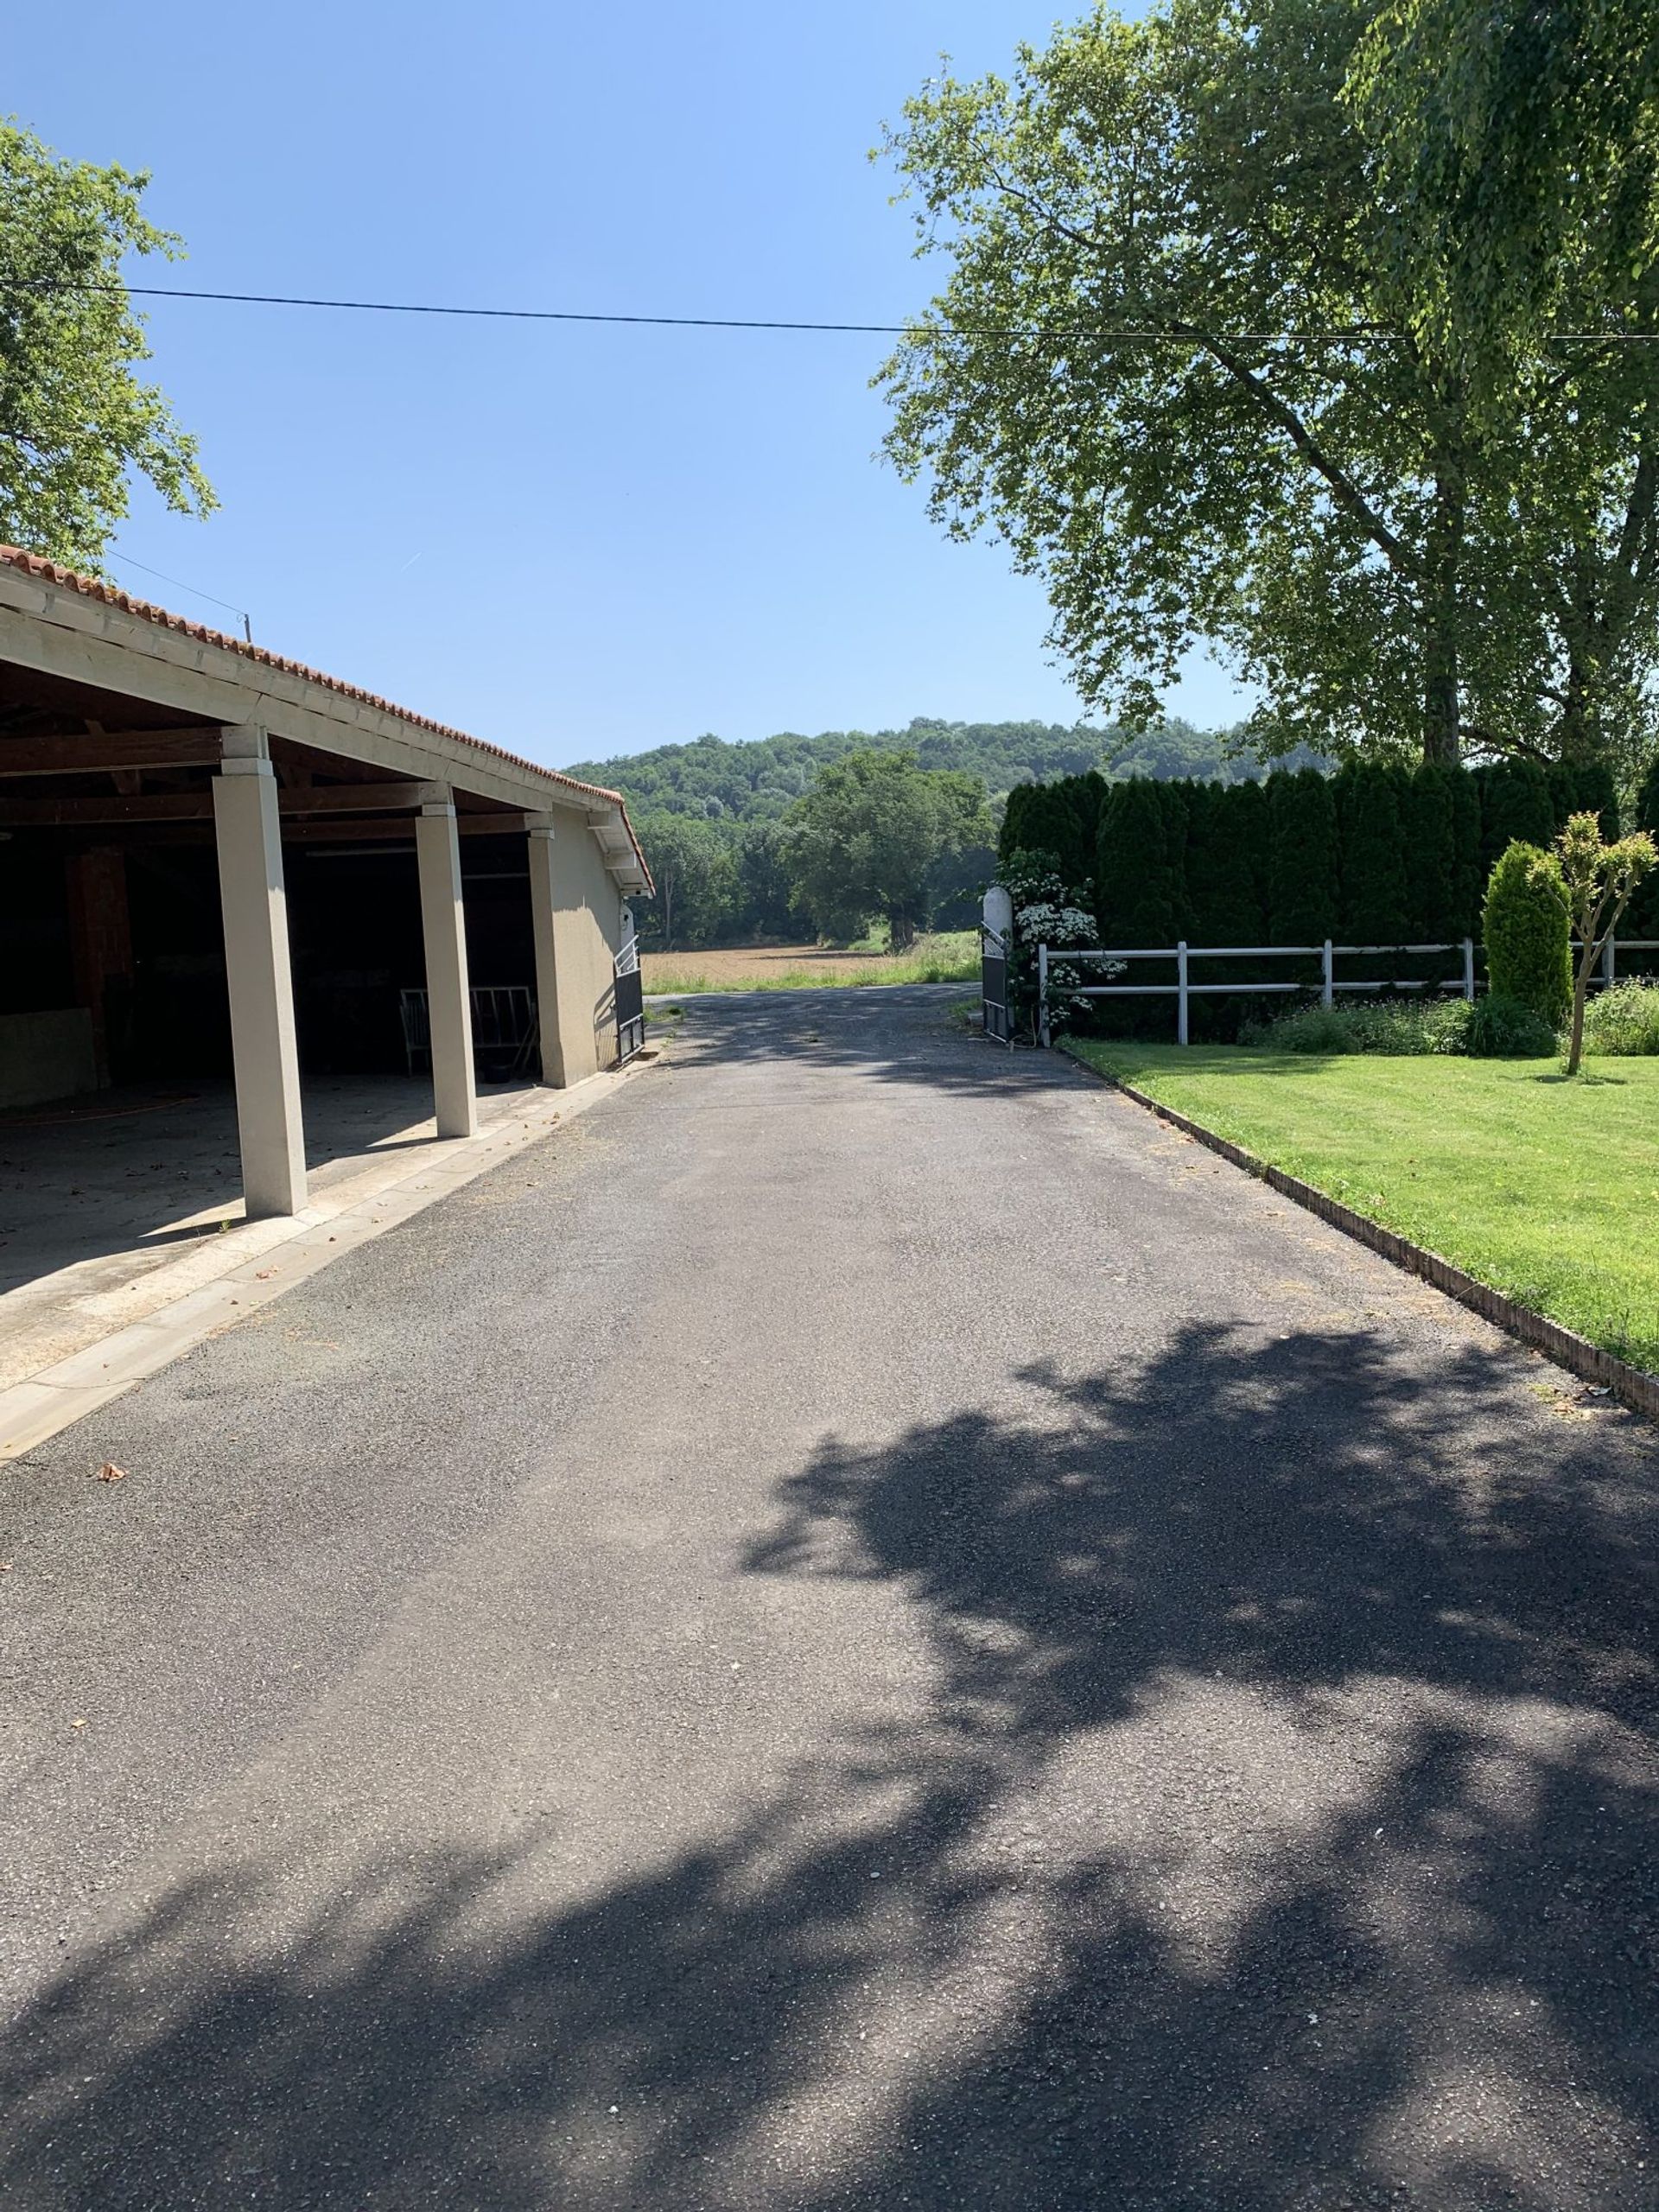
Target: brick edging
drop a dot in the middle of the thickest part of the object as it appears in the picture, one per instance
(1569, 1350)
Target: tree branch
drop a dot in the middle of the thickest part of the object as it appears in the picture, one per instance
(1348, 495)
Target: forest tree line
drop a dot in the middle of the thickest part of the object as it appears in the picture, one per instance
(741, 853)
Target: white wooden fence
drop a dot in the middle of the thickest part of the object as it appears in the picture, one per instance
(1184, 991)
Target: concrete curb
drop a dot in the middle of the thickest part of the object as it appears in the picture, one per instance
(1577, 1354)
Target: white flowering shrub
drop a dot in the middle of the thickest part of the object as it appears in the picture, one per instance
(1046, 913)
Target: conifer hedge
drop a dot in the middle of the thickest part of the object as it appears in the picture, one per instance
(1378, 853)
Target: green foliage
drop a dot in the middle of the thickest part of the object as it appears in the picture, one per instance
(1140, 894)
(1436, 910)
(1516, 807)
(1644, 907)
(1411, 1027)
(1226, 865)
(1599, 879)
(760, 780)
(1062, 818)
(1503, 1028)
(1524, 141)
(1468, 880)
(1524, 925)
(1374, 888)
(1624, 1020)
(77, 423)
(1584, 787)
(1302, 877)
(870, 836)
(1396, 544)
(695, 870)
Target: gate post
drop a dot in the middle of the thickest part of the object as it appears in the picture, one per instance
(1042, 996)
(1328, 989)
(1468, 969)
(1181, 980)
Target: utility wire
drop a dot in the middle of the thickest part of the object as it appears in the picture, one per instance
(126, 560)
(1132, 335)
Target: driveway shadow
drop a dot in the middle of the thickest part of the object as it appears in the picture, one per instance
(1279, 1836)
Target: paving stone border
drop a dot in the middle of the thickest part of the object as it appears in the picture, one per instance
(1630, 1385)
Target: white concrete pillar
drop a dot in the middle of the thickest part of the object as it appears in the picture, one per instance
(539, 841)
(255, 906)
(443, 925)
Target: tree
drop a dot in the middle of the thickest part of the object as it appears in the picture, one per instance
(76, 421)
(1170, 368)
(1524, 139)
(1524, 923)
(1597, 880)
(868, 838)
(692, 866)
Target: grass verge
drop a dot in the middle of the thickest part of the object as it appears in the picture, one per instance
(1546, 1189)
(952, 956)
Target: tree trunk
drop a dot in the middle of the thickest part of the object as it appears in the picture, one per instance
(1581, 992)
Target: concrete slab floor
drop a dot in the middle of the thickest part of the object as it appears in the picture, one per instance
(122, 1235)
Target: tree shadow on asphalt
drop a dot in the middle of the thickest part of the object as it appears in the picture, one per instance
(898, 1034)
(1278, 1837)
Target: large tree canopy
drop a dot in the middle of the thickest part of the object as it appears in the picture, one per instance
(873, 836)
(1524, 141)
(1172, 368)
(76, 420)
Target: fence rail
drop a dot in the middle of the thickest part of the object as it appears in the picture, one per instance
(1183, 989)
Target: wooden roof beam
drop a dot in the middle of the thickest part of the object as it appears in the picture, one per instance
(93, 752)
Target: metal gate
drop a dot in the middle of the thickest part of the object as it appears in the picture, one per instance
(628, 991)
(996, 938)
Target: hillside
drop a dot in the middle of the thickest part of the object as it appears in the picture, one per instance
(757, 781)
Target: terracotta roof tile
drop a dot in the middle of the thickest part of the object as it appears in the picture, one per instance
(35, 564)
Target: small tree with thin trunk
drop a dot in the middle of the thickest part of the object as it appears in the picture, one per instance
(1597, 881)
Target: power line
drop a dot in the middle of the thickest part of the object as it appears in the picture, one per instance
(1131, 335)
(126, 560)
(709, 321)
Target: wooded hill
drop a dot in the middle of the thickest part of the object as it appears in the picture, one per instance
(758, 780)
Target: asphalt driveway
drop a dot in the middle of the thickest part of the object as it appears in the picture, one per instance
(865, 1627)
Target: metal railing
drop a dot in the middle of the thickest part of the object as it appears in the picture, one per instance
(1182, 990)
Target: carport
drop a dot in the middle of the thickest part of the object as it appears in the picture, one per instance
(219, 862)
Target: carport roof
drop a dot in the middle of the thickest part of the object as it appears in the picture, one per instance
(592, 795)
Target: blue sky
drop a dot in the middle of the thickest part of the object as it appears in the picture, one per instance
(574, 541)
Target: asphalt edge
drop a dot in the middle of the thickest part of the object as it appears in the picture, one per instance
(1630, 1385)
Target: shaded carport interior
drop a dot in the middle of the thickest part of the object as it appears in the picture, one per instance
(163, 787)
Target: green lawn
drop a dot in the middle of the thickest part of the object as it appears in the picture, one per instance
(1549, 1190)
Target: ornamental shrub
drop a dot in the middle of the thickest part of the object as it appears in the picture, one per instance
(1046, 913)
(1502, 1028)
(1624, 1020)
(1302, 859)
(1408, 1027)
(1524, 925)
